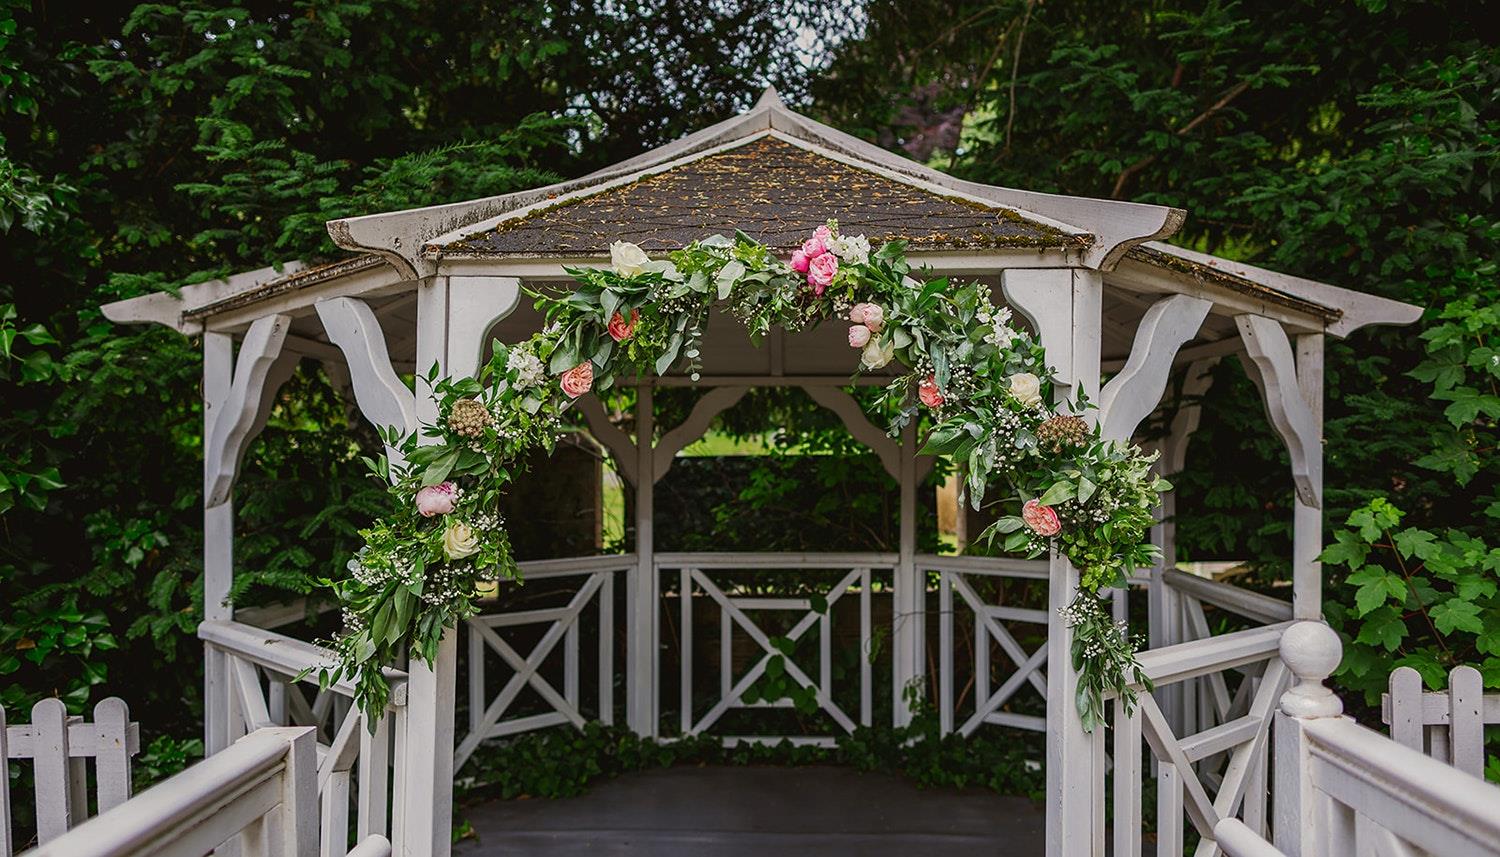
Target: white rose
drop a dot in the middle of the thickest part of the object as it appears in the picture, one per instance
(459, 541)
(1027, 388)
(627, 259)
(875, 356)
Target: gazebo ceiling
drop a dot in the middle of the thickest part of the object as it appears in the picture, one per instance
(773, 190)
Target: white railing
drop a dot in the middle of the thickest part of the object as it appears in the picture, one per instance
(956, 575)
(1345, 791)
(59, 747)
(1446, 725)
(256, 679)
(261, 789)
(695, 579)
(487, 713)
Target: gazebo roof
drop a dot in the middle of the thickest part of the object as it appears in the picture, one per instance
(771, 188)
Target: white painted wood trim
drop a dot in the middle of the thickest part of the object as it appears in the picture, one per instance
(1134, 393)
(475, 304)
(716, 401)
(380, 394)
(621, 447)
(858, 423)
(231, 429)
(1274, 367)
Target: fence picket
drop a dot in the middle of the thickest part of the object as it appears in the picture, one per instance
(53, 774)
(112, 763)
(5, 843)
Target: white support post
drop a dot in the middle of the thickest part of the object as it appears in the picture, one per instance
(1292, 387)
(1311, 650)
(424, 827)
(909, 634)
(1070, 331)
(641, 657)
(1307, 519)
(218, 545)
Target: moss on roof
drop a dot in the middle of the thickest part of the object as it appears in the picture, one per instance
(774, 191)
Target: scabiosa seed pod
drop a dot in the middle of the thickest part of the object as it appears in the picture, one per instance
(1063, 431)
(469, 418)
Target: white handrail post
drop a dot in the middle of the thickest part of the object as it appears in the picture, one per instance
(1311, 650)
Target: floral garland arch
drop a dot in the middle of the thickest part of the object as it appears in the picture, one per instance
(984, 383)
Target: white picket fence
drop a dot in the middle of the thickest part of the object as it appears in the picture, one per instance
(1447, 725)
(59, 747)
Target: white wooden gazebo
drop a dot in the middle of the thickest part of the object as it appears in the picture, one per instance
(1122, 316)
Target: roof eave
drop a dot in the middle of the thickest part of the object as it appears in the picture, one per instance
(173, 310)
(1351, 309)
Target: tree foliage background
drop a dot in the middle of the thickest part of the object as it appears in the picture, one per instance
(147, 146)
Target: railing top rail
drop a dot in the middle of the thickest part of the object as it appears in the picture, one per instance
(534, 569)
(1171, 664)
(762, 560)
(182, 801)
(993, 566)
(1405, 788)
(1251, 605)
(286, 655)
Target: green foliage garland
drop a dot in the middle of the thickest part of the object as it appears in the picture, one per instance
(984, 383)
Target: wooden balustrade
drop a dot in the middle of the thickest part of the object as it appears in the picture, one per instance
(264, 675)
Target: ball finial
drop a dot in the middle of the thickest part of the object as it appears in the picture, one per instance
(1312, 651)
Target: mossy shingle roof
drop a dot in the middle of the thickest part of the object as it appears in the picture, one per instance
(774, 191)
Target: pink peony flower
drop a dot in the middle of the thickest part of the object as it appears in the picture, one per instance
(620, 329)
(814, 247)
(859, 336)
(578, 380)
(799, 261)
(820, 272)
(869, 315)
(929, 393)
(437, 499)
(1041, 519)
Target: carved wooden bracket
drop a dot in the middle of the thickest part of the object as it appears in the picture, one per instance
(1135, 392)
(1174, 449)
(713, 403)
(1272, 366)
(231, 428)
(619, 444)
(383, 399)
(474, 305)
(858, 423)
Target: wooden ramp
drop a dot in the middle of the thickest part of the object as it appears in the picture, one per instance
(733, 811)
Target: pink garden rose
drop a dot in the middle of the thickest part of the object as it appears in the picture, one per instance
(929, 393)
(620, 329)
(578, 380)
(859, 336)
(820, 272)
(1041, 519)
(437, 499)
(823, 234)
(799, 261)
(869, 315)
(814, 247)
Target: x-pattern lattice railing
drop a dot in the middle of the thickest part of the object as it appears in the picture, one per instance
(487, 719)
(954, 576)
(263, 673)
(1212, 774)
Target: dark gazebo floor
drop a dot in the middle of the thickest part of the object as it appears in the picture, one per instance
(733, 811)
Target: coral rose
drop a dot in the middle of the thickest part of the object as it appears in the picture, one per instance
(1041, 519)
(929, 393)
(437, 499)
(578, 380)
(620, 329)
(859, 336)
(821, 271)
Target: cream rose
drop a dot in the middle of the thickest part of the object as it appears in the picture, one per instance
(459, 541)
(1027, 388)
(627, 259)
(875, 356)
